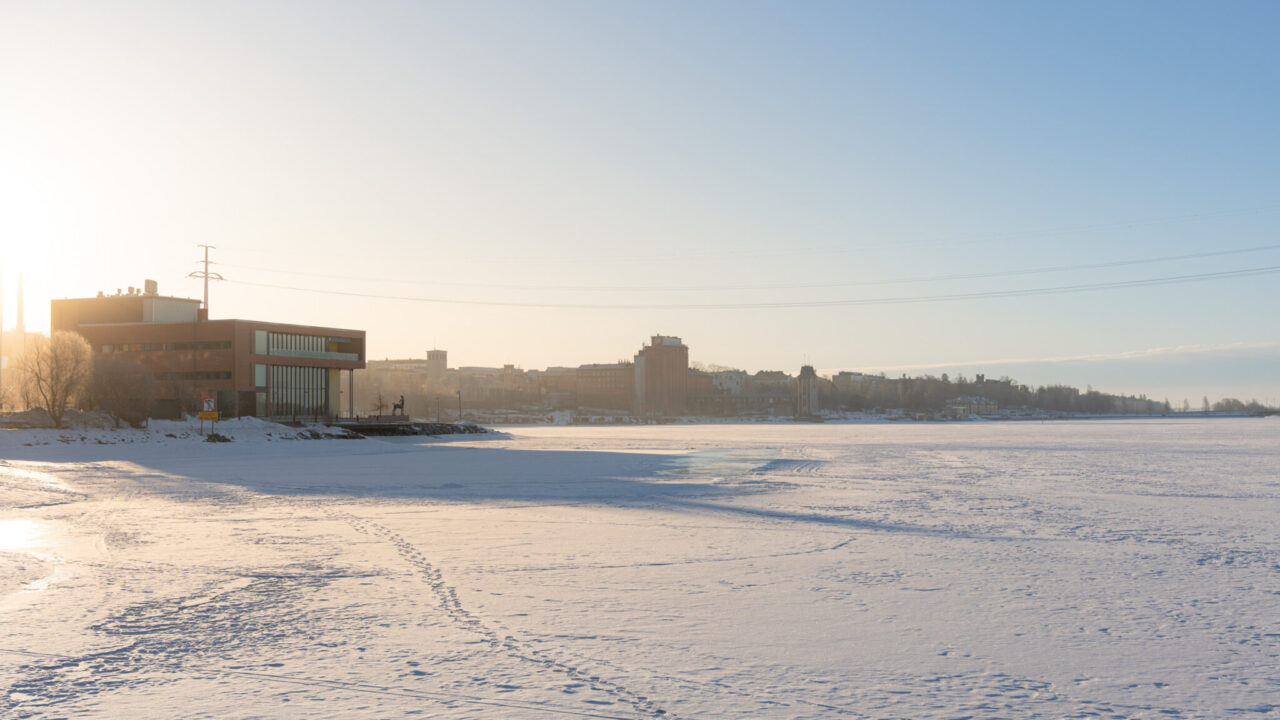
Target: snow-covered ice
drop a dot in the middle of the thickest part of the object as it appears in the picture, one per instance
(1119, 569)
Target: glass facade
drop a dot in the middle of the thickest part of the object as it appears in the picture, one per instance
(305, 346)
(298, 391)
(300, 343)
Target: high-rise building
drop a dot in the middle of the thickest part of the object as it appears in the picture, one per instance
(807, 392)
(662, 376)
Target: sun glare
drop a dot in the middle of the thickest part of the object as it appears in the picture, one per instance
(19, 534)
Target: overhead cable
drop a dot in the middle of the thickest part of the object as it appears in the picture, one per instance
(1061, 289)
(852, 247)
(772, 286)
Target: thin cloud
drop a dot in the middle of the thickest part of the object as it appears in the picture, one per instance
(1228, 348)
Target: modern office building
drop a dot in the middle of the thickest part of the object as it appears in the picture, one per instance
(255, 368)
(662, 376)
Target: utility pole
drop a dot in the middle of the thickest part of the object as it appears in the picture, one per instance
(1, 337)
(19, 325)
(206, 275)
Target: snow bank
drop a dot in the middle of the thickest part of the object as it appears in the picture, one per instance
(95, 428)
(72, 420)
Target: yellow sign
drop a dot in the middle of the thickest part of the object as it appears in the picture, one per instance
(205, 415)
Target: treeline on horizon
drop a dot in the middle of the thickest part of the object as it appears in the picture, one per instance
(858, 393)
(929, 393)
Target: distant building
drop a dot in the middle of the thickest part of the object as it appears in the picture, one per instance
(807, 393)
(734, 392)
(556, 386)
(608, 387)
(700, 383)
(729, 382)
(846, 381)
(966, 406)
(718, 393)
(437, 367)
(770, 382)
(250, 368)
(662, 376)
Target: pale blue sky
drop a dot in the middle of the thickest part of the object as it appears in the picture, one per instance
(559, 145)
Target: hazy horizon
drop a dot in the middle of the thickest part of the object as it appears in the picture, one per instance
(1081, 194)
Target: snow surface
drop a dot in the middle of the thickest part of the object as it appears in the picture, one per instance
(1116, 569)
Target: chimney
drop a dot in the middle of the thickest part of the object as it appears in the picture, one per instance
(20, 327)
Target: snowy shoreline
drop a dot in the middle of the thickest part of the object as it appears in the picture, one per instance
(254, 430)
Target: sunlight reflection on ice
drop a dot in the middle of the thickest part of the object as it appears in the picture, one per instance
(19, 534)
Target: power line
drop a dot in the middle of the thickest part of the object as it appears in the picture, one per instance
(775, 286)
(1061, 289)
(787, 251)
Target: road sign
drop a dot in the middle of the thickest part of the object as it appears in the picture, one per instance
(210, 405)
(208, 415)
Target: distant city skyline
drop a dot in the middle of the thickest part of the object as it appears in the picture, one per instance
(550, 157)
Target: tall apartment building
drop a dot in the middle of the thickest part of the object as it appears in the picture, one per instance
(662, 376)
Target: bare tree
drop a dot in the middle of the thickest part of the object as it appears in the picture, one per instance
(379, 404)
(56, 371)
(6, 392)
(120, 388)
(184, 392)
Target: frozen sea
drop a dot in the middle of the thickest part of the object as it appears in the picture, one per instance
(1100, 569)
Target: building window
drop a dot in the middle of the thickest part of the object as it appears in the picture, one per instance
(207, 375)
(295, 345)
(298, 391)
(259, 375)
(260, 343)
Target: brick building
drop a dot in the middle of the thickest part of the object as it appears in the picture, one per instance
(662, 376)
(608, 387)
(252, 368)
